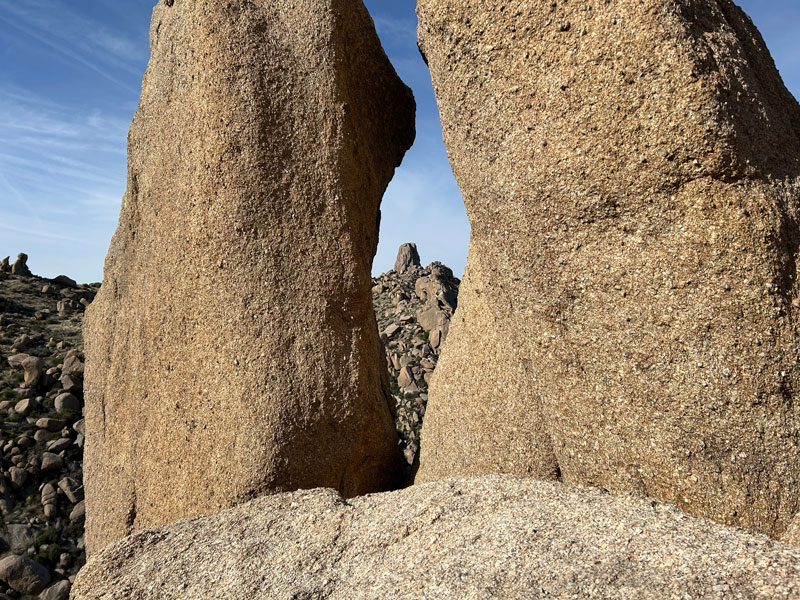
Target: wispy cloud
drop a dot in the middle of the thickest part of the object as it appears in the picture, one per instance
(75, 38)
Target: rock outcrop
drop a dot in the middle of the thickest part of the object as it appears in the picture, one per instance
(407, 258)
(492, 537)
(232, 350)
(629, 313)
(20, 266)
(412, 349)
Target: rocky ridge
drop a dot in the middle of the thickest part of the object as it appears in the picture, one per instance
(41, 431)
(413, 307)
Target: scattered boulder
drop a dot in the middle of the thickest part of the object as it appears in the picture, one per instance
(64, 280)
(628, 317)
(407, 258)
(20, 266)
(51, 462)
(24, 407)
(73, 364)
(19, 537)
(15, 361)
(24, 575)
(67, 401)
(72, 489)
(49, 424)
(78, 513)
(57, 591)
(291, 121)
(492, 537)
(34, 369)
(19, 477)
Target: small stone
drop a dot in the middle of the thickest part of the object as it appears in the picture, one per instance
(58, 445)
(51, 462)
(19, 477)
(57, 591)
(50, 424)
(72, 489)
(24, 407)
(405, 378)
(67, 401)
(49, 494)
(78, 514)
(391, 330)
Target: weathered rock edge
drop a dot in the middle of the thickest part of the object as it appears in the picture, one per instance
(629, 313)
(490, 537)
(232, 349)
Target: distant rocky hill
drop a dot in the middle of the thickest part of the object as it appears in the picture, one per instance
(41, 404)
(413, 307)
(41, 431)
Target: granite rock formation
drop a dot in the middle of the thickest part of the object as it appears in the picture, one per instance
(20, 266)
(412, 350)
(490, 537)
(407, 258)
(232, 350)
(629, 314)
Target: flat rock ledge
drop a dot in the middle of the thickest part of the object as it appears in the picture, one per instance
(489, 537)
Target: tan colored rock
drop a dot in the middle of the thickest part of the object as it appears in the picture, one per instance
(407, 258)
(20, 266)
(492, 537)
(792, 535)
(628, 317)
(34, 369)
(232, 349)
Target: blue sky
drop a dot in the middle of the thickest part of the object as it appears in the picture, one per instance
(70, 76)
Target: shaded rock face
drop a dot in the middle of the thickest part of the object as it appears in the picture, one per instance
(628, 313)
(491, 537)
(232, 349)
(407, 258)
(20, 266)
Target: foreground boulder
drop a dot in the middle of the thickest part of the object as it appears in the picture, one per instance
(629, 314)
(232, 349)
(492, 537)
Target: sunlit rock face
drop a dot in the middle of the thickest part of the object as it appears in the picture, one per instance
(233, 350)
(628, 316)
